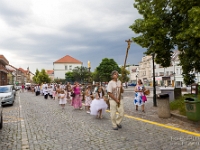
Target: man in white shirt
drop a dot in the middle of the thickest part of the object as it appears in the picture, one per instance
(116, 104)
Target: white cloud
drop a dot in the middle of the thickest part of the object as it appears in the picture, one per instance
(38, 32)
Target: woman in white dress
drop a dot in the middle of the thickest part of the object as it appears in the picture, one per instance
(139, 92)
(69, 93)
(62, 98)
(88, 99)
(98, 105)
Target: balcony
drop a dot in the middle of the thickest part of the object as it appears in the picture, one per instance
(3, 69)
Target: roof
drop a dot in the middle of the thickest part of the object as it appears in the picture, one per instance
(22, 70)
(5, 61)
(67, 59)
(49, 72)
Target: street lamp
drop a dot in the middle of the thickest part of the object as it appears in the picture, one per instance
(174, 76)
(154, 82)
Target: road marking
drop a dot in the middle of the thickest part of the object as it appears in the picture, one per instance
(161, 125)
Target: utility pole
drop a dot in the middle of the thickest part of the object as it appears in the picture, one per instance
(154, 82)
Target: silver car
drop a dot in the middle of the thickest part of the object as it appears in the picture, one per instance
(7, 95)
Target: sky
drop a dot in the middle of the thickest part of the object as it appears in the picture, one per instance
(36, 33)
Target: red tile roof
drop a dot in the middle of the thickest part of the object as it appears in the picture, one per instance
(22, 70)
(49, 72)
(4, 59)
(67, 59)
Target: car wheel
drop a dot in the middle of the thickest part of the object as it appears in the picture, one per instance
(1, 123)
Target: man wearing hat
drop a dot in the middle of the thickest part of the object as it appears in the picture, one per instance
(115, 89)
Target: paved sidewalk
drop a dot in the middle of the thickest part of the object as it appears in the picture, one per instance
(151, 113)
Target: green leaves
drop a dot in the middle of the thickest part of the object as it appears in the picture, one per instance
(105, 68)
(169, 23)
(41, 77)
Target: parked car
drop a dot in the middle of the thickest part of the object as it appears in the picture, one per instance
(132, 84)
(7, 95)
(1, 116)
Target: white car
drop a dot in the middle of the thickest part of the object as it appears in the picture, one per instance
(7, 95)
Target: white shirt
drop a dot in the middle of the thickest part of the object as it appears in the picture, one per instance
(114, 87)
(45, 91)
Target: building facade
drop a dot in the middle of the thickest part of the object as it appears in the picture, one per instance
(134, 73)
(145, 70)
(3, 70)
(63, 65)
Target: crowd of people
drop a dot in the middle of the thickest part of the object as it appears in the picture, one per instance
(96, 98)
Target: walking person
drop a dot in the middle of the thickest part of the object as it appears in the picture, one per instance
(88, 99)
(76, 101)
(69, 95)
(139, 93)
(116, 104)
(50, 91)
(54, 91)
(37, 90)
(98, 105)
(62, 99)
(45, 92)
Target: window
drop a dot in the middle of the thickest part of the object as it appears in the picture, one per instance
(70, 67)
(177, 72)
(181, 71)
(66, 67)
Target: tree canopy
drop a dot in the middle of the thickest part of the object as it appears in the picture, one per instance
(81, 74)
(105, 68)
(41, 77)
(167, 24)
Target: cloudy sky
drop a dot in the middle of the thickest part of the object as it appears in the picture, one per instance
(35, 33)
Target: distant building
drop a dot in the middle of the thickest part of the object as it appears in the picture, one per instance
(3, 70)
(63, 65)
(145, 68)
(12, 74)
(50, 73)
(134, 73)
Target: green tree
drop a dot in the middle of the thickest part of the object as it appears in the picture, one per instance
(95, 76)
(69, 76)
(36, 76)
(81, 74)
(43, 77)
(166, 24)
(105, 68)
(124, 75)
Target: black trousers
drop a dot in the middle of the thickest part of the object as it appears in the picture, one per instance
(46, 96)
(37, 93)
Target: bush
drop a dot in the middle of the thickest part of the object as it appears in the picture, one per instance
(179, 104)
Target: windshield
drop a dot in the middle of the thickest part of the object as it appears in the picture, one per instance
(4, 90)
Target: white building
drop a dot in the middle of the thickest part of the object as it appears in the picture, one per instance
(145, 69)
(63, 65)
(134, 73)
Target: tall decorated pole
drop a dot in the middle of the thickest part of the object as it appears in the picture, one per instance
(124, 67)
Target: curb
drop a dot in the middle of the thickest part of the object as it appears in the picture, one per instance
(184, 118)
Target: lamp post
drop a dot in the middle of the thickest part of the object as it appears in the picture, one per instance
(174, 76)
(154, 83)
